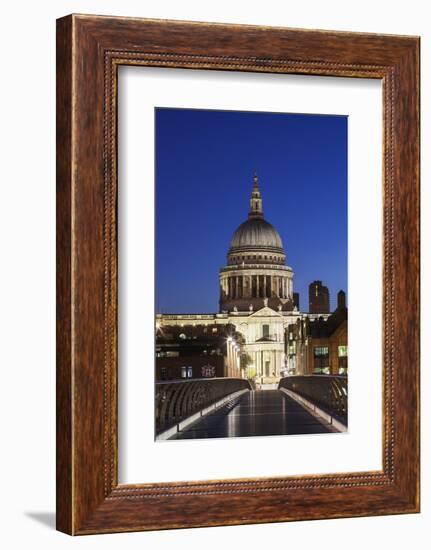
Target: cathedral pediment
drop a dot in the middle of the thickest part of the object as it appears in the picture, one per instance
(266, 312)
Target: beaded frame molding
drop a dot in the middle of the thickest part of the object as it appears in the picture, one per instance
(89, 51)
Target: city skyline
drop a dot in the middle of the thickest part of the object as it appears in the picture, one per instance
(203, 182)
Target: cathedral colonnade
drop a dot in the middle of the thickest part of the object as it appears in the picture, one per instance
(267, 363)
(256, 285)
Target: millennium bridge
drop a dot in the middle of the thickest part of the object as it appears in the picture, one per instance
(232, 407)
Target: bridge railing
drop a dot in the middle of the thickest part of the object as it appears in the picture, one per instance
(179, 399)
(329, 392)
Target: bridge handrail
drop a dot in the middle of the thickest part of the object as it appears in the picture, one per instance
(176, 400)
(327, 391)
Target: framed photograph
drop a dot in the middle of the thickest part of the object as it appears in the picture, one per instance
(237, 274)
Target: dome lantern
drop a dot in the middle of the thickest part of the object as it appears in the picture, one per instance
(255, 201)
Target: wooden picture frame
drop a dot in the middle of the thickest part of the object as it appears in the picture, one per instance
(89, 51)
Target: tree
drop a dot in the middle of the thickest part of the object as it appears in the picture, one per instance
(245, 362)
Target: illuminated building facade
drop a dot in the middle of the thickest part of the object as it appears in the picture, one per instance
(257, 303)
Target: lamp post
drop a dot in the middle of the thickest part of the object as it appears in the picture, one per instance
(229, 346)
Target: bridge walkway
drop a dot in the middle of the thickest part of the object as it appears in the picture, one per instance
(256, 413)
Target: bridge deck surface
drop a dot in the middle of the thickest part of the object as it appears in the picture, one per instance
(268, 412)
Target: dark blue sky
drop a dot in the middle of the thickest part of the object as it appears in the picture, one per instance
(204, 172)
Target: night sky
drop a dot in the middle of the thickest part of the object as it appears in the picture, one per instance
(205, 160)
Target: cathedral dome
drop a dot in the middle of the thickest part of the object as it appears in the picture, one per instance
(256, 240)
(256, 274)
(256, 233)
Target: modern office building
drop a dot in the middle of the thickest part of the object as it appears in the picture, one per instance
(318, 297)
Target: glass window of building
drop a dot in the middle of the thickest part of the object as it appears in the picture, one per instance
(321, 370)
(321, 360)
(342, 351)
(321, 351)
(342, 359)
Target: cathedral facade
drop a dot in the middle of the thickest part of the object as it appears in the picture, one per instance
(256, 296)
